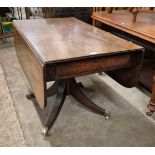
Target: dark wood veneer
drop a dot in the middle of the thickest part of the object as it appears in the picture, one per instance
(60, 50)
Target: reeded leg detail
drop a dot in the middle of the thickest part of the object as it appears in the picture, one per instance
(54, 111)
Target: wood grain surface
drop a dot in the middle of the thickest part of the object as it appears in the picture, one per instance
(32, 67)
(62, 39)
(61, 48)
(144, 27)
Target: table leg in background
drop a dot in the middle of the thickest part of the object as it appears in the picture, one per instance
(151, 105)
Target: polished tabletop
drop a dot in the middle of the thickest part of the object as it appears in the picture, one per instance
(144, 27)
(63, 39)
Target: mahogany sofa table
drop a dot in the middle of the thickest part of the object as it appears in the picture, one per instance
(60, 49)
(142, 32)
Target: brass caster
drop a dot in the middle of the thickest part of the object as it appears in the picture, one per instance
(44, 131)
(149, 113)
(107, 115)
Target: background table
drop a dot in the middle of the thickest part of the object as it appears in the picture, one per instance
(142, 32)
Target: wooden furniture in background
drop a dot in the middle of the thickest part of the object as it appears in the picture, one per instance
(47, 12)
(109, 10)
(27, 12)
(142, 32)
(99, 9)
(133, 10)
(71, 48)
(136, 10)
(82, 13)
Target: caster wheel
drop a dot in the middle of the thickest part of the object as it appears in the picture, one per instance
(80, 84)
(44, 131)
(30, 96)
(149, 113)
(107, 115)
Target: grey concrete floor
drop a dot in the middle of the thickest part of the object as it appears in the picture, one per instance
(76, 126)
(10, 131)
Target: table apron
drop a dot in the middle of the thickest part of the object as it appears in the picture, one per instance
(77, 68)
